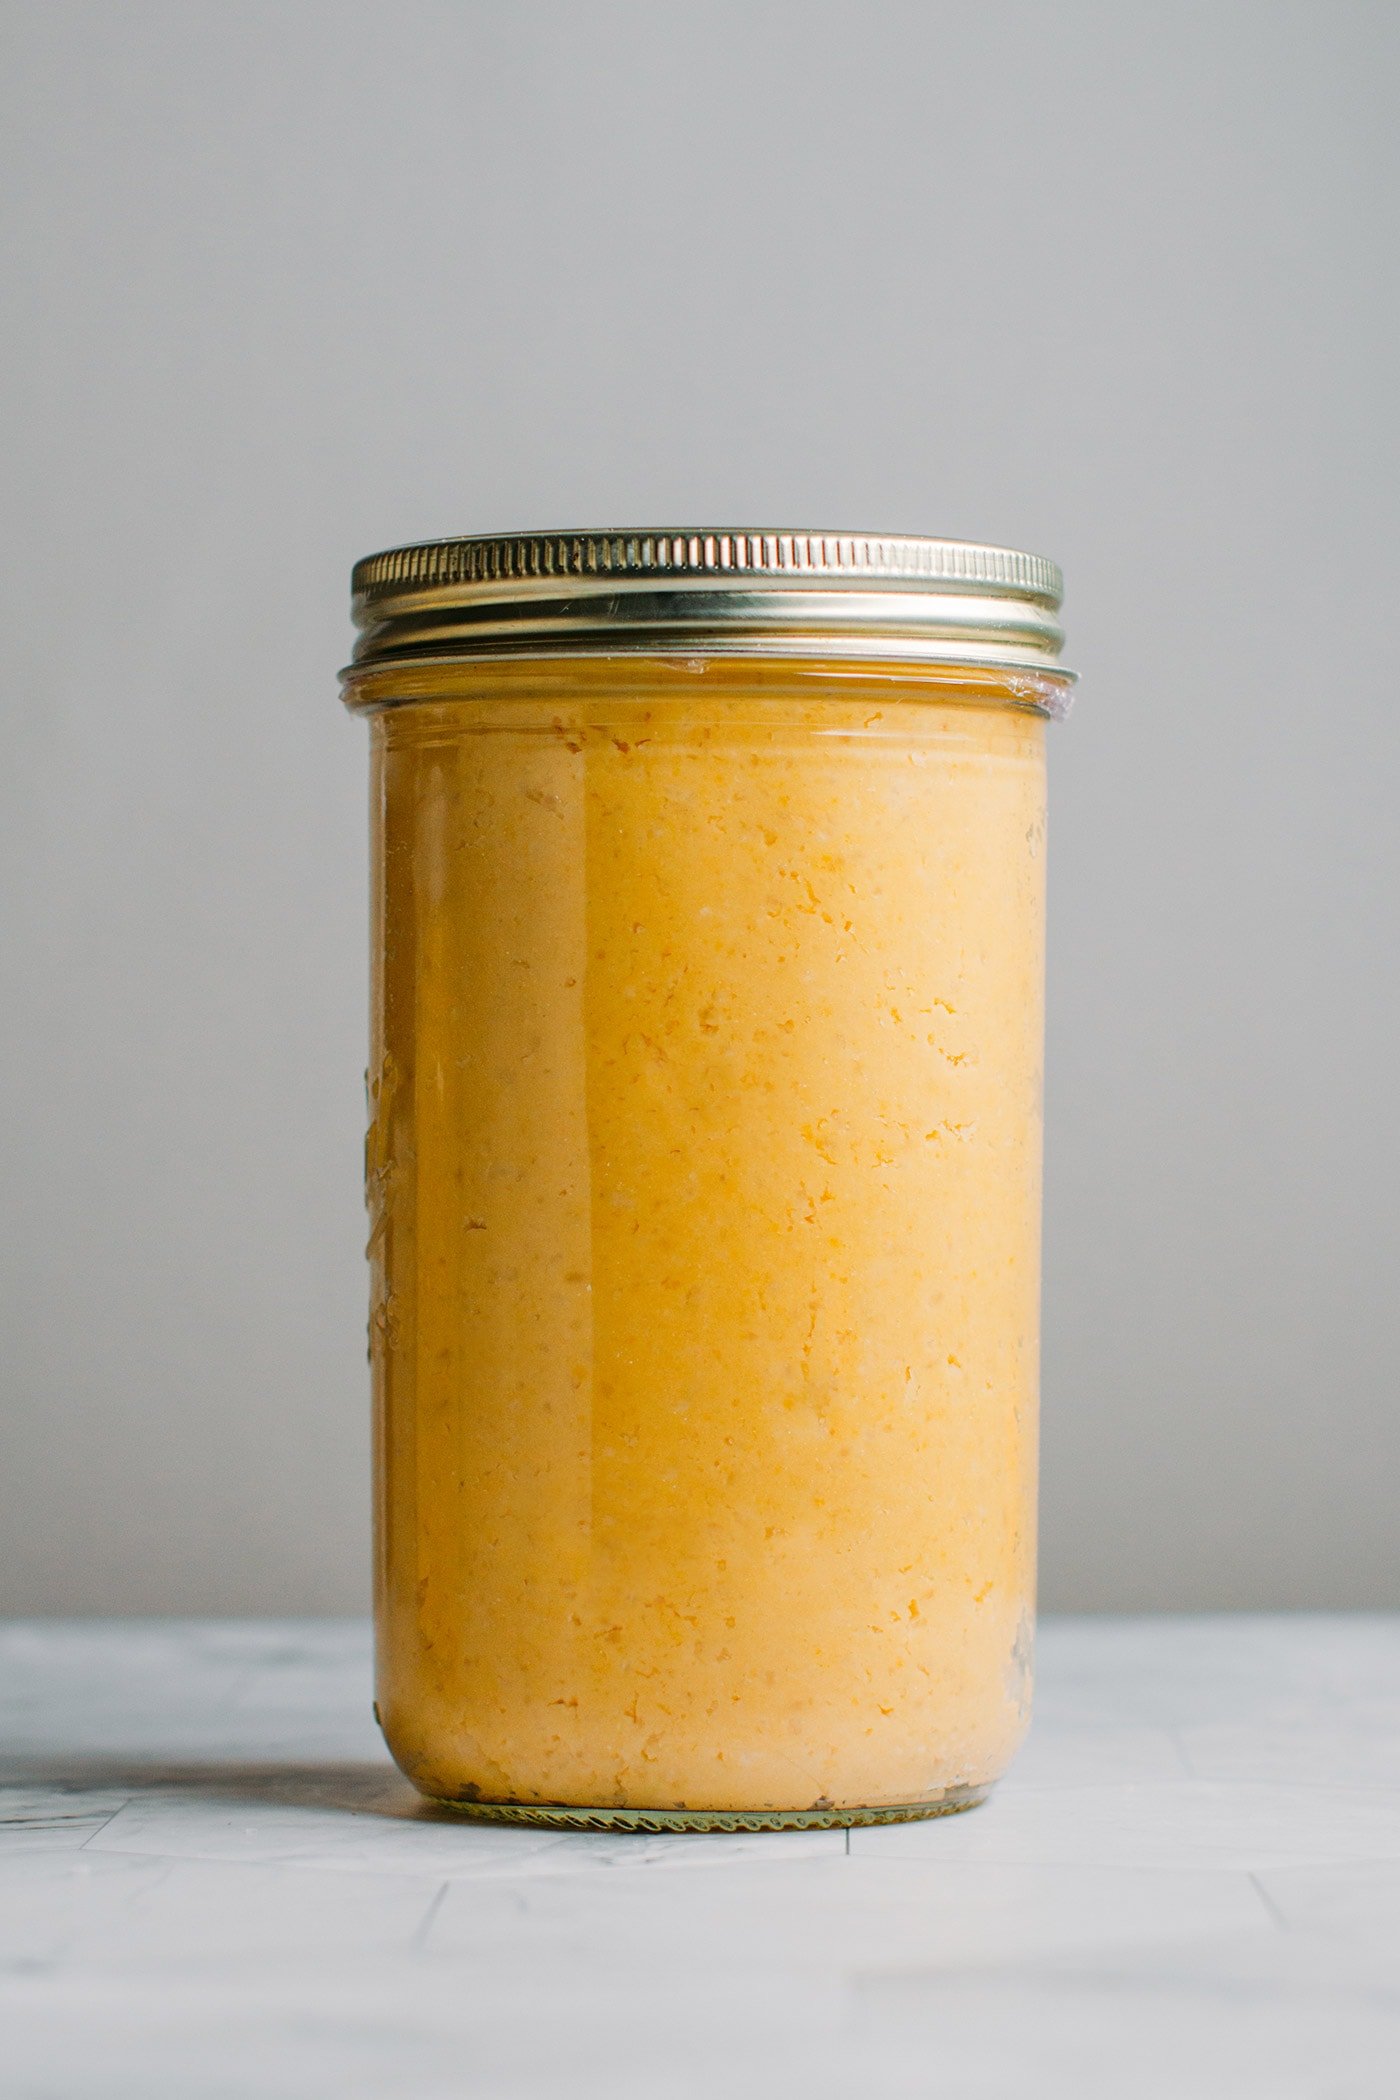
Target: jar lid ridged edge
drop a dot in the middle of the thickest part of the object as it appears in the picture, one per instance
(718, 555)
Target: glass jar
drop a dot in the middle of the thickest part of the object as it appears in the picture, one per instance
(704, 1169)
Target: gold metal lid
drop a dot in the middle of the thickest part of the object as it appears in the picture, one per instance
(710, 590)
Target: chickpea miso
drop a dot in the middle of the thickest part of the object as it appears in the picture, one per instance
(704, 1169)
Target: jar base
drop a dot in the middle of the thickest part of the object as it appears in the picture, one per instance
(558, 1816)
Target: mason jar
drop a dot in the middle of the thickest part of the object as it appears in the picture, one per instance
(703, 1168)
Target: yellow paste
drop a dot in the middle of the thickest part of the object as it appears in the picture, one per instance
(704, 1173)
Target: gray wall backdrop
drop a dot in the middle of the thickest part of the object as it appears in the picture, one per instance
(288, 282)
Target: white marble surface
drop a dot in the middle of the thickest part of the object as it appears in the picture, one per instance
(212, 1886)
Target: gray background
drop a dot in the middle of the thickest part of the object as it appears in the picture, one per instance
(290, 282)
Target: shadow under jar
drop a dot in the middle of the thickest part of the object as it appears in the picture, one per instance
(704, 1168)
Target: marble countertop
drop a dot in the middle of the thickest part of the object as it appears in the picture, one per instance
(212, 1886)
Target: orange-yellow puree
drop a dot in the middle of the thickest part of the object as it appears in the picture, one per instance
(704, 1174)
